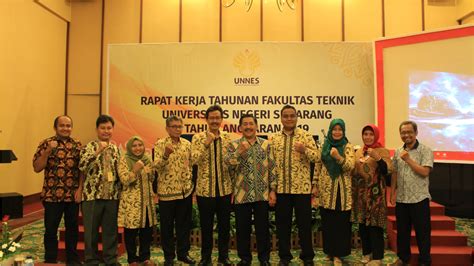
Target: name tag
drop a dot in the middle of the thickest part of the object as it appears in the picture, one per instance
(110, 176)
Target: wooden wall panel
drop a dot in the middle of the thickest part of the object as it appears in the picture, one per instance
(85, 48)
(238, 24)
(281, 26)
(362, 20)
(160, 21)
(440, 15)
(402, 17)
(200, 20)
(323, 20)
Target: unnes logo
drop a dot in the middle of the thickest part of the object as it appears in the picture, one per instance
(247, 62)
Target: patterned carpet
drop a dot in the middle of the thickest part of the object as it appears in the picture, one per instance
(32, 244)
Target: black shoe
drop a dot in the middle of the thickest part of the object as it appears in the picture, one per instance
(264, 263)
(284, 263)
(308, 263)
(169, 262)
(225, 261)
(187, 259)
(205, 262)
(244, 263)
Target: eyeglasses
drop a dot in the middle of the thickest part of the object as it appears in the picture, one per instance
(214, 118)
(407, 133)
(176, 127)
(288, 116)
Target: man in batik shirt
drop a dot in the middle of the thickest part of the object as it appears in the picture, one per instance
(101, 190)
(213, 185)
(251, 160)
(175, 186)
(58, 156)
(294, 149)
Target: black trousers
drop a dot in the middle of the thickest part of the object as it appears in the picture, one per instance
(243, 220)
(208, 207)
(53, 212)
(418, 215)
(145, 236)
(301, 203)
(175, 215)
(372, 241)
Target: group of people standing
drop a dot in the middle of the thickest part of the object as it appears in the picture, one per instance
(251, 173)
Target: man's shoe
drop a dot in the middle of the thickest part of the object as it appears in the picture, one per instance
(205, 262)
(187, 259)
(148, 263)
(308, 263)
(400, 262)
(265, 263)
(244, 263)
(224, 261)
(283, 263)
(169, 262)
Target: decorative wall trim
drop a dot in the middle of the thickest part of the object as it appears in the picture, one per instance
(50, 10)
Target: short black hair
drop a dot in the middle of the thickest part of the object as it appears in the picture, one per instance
(245, 116)
(214, 108)
(102, 119)
(56, 120)
(171, 119)
(287, 107)
(408, 122)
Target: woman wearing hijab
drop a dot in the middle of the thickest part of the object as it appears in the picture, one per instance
(333, 184)
(137, 209)
(369, 208)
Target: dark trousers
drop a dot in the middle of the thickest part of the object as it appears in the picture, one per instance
(301, 203)
(208, 207)
(243, 221)
(100, 213)
(175, 215)
(53, 212)
(418, 215)
(372, 241)
(144, 238)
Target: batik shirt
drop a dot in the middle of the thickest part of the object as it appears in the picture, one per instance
(61, 174)
(253, 171)
(137, 198)
(369, 205)
(412, 188)
(175, 174)
(101, 179)
(328, 186)
(210, 162)
(292, 167)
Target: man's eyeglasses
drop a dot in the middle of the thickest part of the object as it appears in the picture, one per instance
(176, 127)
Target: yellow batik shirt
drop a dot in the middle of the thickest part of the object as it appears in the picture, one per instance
(327, 187)
(293, 168)
(137, 198)
(175, 173)
(209, 165)
(101, 179)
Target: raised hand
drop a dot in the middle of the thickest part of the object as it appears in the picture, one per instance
(335, 153)
(210, 137)
(138, 166)
(374, 154)
(168, 150)
(243, 147)
(299, 147)
(404, 155)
